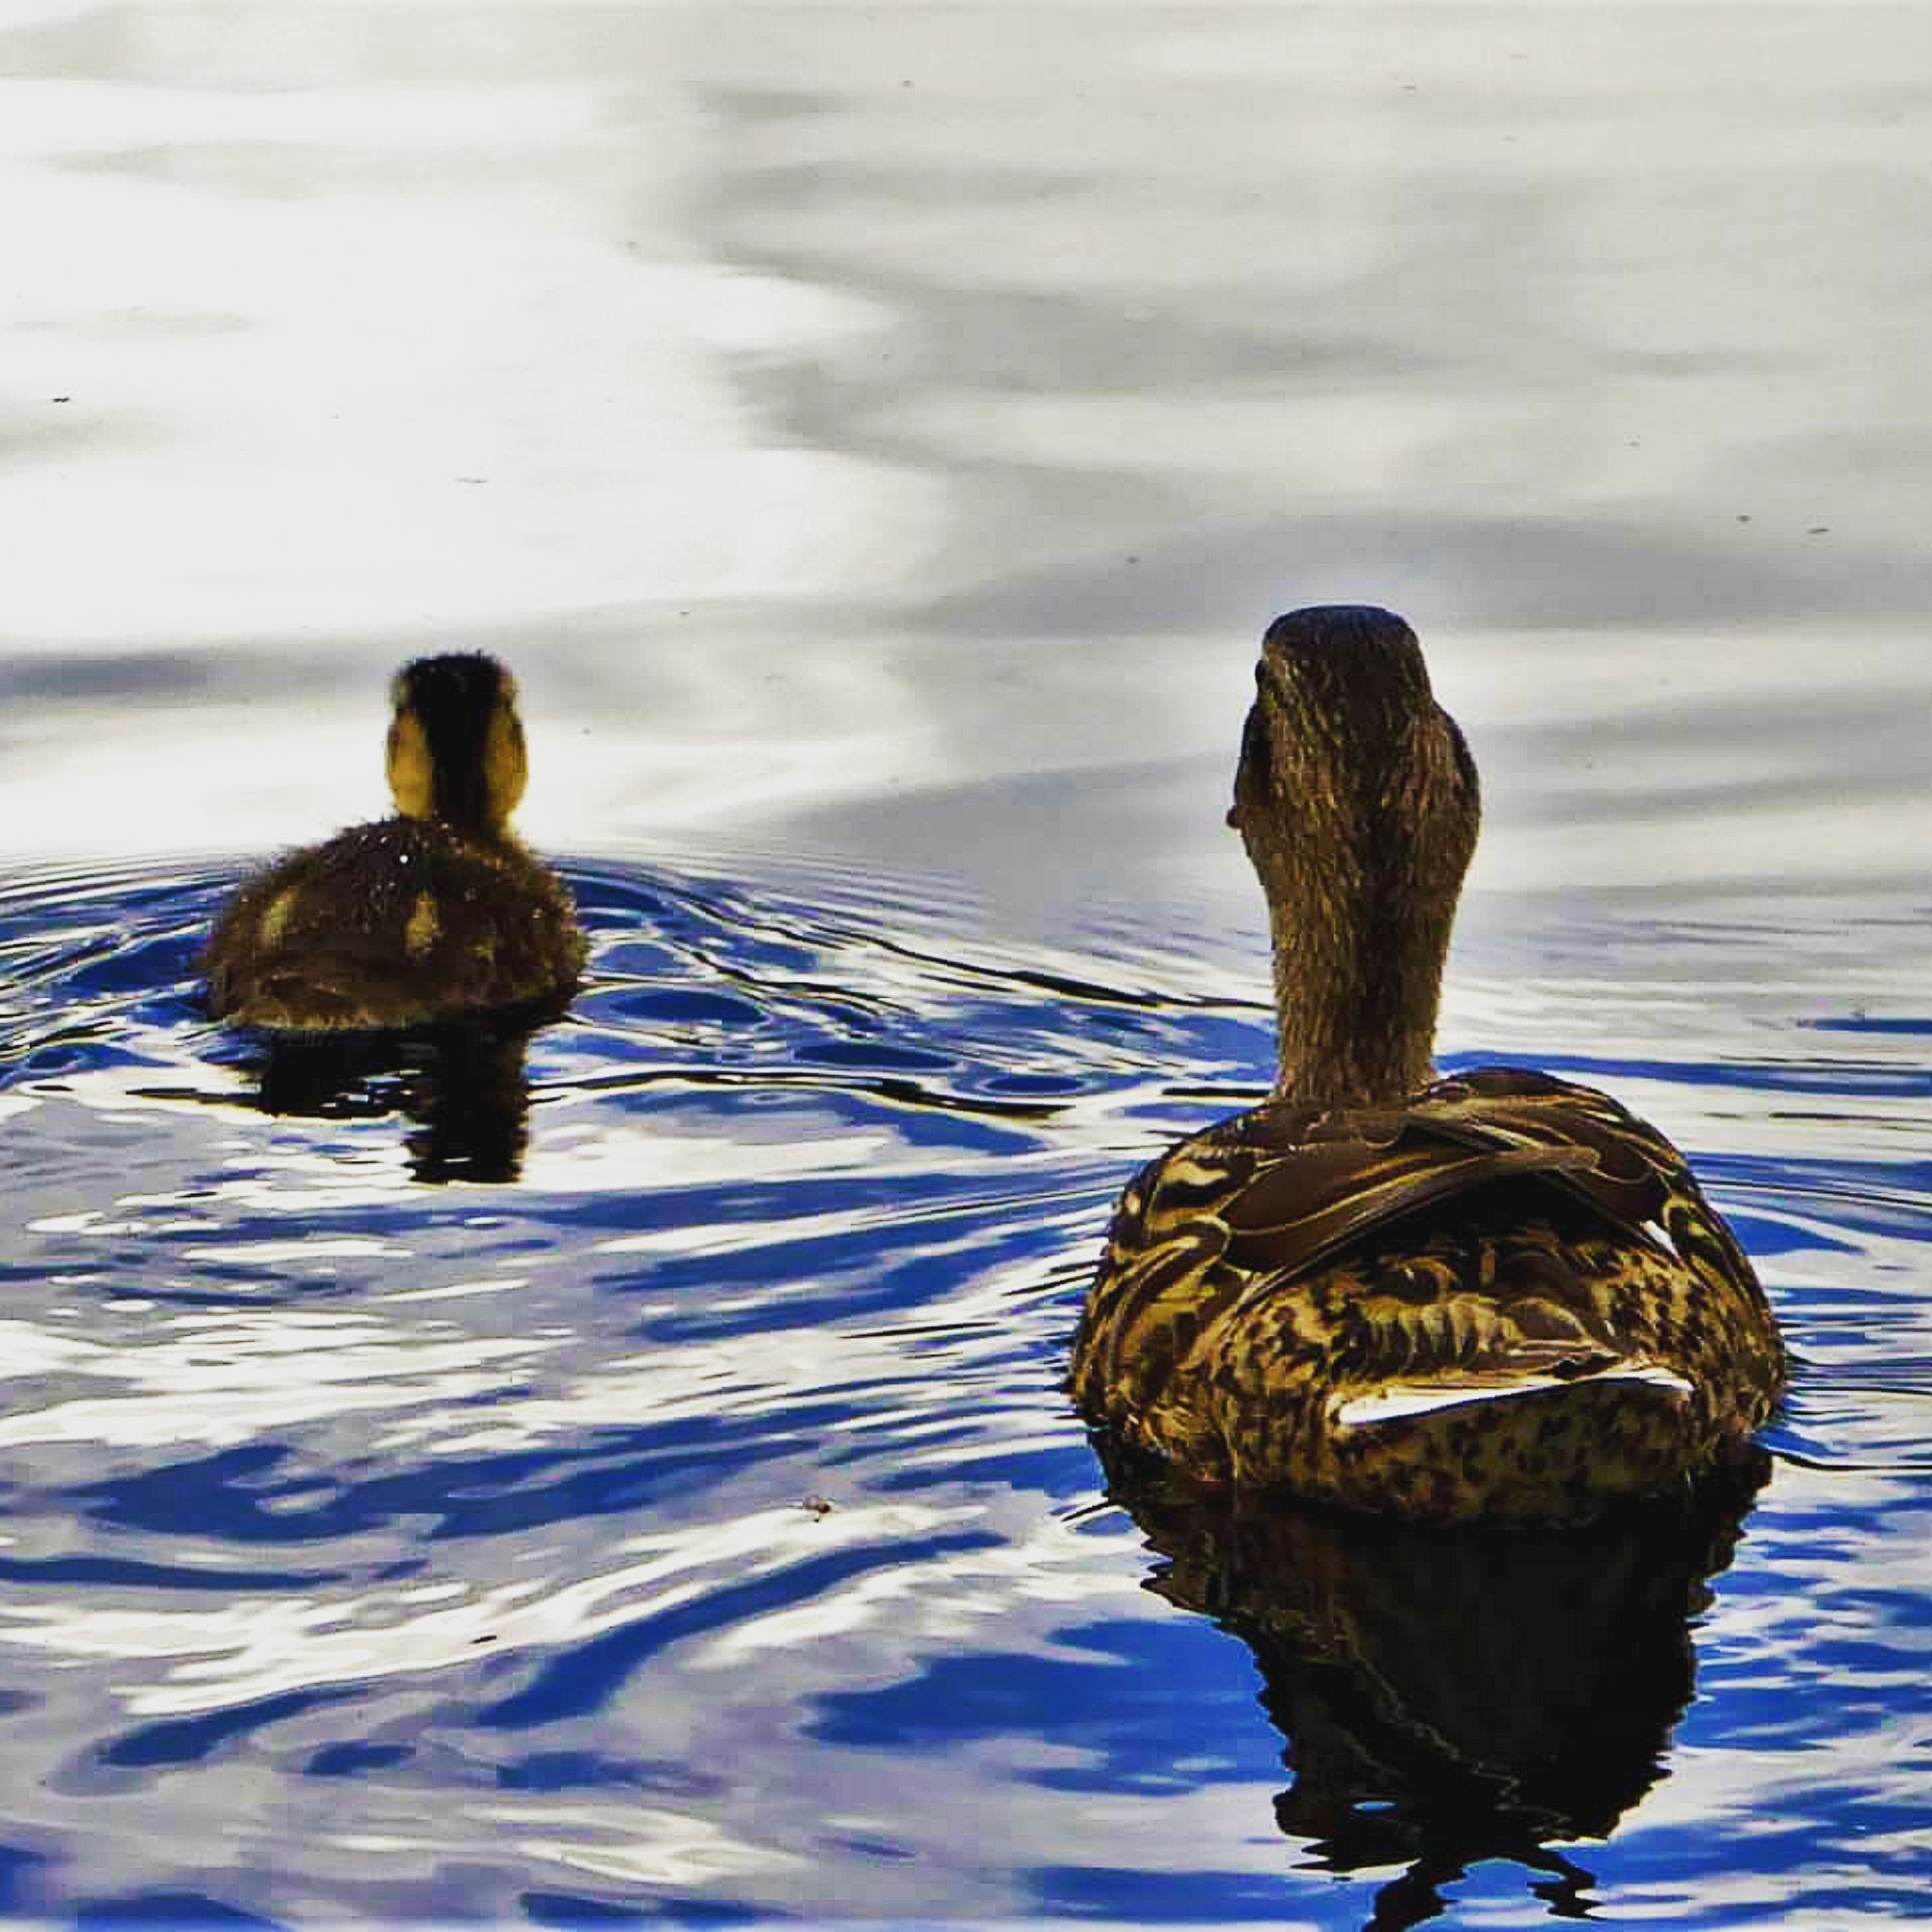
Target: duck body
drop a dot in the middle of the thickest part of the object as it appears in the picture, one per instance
(390, 925)
(1493, 1295)
(436, 913)
(1504, 1297)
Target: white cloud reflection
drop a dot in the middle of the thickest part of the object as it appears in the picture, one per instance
(254, 1648)
(356, 356)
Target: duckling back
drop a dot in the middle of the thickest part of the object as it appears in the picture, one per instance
(392, 924)
(435, 914)
(1504, 1297)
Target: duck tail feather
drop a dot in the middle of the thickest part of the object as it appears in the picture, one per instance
(1440, 1395)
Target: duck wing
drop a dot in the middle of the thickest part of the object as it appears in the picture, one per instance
(1636, 1181)
(1343, 1251)
(1294, 1185)
(1260, 1202)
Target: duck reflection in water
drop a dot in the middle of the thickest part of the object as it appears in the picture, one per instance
(462, 1085)
(1451, 1693)
(405, 963)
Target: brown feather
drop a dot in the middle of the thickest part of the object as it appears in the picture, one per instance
(341, 954)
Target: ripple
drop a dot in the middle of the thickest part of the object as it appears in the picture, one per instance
(694, 1520)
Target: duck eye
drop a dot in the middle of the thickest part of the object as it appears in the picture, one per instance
(1251, 772)
(1256, 753)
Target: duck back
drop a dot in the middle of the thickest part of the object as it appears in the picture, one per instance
(1504, 1296)
(390, 925)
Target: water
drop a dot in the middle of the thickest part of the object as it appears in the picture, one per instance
(695, 1525)
(876, 438)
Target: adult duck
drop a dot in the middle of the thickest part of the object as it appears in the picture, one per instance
(1495, 1295)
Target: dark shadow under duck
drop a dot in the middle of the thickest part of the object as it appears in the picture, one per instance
(461, 1084)
(1495, 1294)
(434, 913)
(1451, 1693)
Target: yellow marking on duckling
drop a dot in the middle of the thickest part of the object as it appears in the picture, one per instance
(420, 934)
(411, 776)
(505, 768)
(275, 917)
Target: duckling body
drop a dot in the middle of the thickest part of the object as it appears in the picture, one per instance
(1497, 1295)
(433, 914)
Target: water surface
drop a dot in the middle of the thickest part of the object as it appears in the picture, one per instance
(695, 1524)
(876, 438)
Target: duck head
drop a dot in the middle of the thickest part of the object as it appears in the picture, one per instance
(456, 744)
(1357, 801)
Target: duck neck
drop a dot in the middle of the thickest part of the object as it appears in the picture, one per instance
(468, 826)
(1355, 1006)
(479, 830)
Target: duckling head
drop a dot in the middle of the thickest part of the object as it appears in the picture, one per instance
(456, 744)
(1357, 801)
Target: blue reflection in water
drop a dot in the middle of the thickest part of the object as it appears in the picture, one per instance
(692, 1525)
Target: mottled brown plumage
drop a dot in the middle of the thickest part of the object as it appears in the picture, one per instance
(436, 913)
(1497, 1295)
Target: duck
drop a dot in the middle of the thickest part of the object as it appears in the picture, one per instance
(436, 913)
(1492, 1296)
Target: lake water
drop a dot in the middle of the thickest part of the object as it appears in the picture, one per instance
(876, 438)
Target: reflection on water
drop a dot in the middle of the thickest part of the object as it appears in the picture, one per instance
(461, 1084)
(842, 418)
(697, 1524)
(1452, 1695)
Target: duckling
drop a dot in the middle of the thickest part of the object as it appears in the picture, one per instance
(436, 913)
(1497, 1295)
